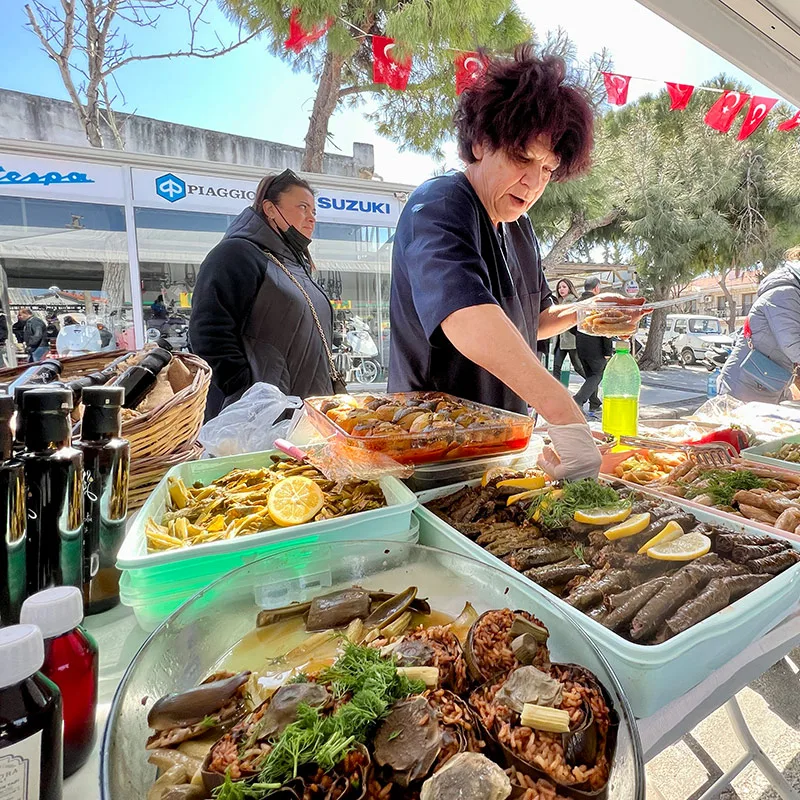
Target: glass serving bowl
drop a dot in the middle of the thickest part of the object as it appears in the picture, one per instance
(609, 320)
(186, 647)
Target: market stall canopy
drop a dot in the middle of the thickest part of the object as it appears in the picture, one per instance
(761, 38)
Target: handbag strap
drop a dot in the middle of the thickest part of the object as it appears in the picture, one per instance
(334, 372)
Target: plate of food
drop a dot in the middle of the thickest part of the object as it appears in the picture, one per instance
(370, 670)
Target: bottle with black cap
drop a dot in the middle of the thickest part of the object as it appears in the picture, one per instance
(140, 378)
(42, 372)
(106, 466)
(19, 419)
(12, 512)
(54, 487)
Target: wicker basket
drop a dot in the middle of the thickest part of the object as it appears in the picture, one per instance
(147, 472)
(173, 426)
(71, 366)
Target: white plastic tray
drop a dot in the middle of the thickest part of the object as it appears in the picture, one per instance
(758, 453)
(653, 675)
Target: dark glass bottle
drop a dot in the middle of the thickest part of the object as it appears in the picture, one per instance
(54, 490)
(30, 719)
(12, 512)
(140, 378)
(77, 385)
(19, 422)
(71, 662)
(106, 467)
(43, 372)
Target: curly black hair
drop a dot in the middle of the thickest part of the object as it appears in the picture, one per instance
(521, 98)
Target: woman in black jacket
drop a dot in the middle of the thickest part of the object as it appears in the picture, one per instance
(258, 315)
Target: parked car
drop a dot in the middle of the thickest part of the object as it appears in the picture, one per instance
(691, 335)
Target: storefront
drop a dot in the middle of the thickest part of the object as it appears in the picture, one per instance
(104, 234)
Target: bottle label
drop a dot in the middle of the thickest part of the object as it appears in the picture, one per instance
(20, 769)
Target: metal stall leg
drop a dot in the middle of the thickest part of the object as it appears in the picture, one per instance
(753, 753)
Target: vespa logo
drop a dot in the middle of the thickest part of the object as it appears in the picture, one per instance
(171, 187)
(362, 206)
(9, 177)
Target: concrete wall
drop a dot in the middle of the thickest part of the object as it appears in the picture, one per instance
(31, 117)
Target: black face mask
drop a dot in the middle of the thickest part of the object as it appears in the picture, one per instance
(296, 240)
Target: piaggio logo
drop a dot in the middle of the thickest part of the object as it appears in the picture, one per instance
(171, 187)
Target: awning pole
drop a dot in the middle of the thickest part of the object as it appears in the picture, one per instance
(133, 260)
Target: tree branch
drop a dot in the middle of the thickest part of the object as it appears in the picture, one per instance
(576, 231)
(348, 90)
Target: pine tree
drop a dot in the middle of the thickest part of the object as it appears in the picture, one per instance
(341, 61)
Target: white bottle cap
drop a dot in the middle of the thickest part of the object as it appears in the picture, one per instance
(21, 653)
(54, 611)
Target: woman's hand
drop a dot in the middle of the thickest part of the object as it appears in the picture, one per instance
(574, 453)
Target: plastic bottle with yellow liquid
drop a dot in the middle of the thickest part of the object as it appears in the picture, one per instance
(622, 383)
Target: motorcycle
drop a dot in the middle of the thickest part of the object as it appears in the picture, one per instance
(174, 329)
(355, 352)
(670, 354)
(716, 356)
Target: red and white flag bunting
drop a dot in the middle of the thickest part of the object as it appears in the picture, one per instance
(680, 94)
(616, 88)
(470, 69)
(385, 68)
(790, 124)
(721, 115)
(299, 37)
(756, 114)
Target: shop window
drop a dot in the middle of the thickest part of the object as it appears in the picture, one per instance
(68, 259)
(747, 303)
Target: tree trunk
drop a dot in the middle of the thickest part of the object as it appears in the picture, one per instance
(576, 231)
(650, 358)
(324, 105)
(729, 300)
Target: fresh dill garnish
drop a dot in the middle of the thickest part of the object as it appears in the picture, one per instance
(393, 735)
(585, 494)
(239, 790)
(301, 677)
(579, 553)
(373, 684)
(208, 722)
(722, 484)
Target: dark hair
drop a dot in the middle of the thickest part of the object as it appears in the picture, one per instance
(570, 285)
(524, 97)
(591, 283)
(271, 187)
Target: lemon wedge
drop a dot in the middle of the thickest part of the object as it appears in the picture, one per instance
(668, 533)
(534, 482)
(684, 548)
(603, 516)
(516, 498)
(294, 501)
(633, 525)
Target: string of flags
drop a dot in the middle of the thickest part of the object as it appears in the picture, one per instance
(470, 67)
(720, 116)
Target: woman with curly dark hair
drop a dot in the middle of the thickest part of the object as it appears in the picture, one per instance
(469, 296)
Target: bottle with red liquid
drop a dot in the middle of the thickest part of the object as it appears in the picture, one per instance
(71, 662)
(30, 719)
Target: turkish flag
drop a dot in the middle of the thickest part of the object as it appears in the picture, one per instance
(299, 37)
(385, 69)
(470, 69)
(680, 94)
(790, 124)
(616, 88)
(756, 114)
(721, 115)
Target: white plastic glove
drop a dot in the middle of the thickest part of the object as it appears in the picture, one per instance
(574, 453)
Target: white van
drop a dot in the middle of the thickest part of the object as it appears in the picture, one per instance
(692, 335)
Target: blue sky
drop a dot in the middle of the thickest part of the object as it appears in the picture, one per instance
(253, 93)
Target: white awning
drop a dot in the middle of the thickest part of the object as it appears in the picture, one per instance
(761, 38)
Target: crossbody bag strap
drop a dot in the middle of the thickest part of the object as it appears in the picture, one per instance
(334, 372)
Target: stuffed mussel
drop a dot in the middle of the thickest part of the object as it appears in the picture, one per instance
(378, 697)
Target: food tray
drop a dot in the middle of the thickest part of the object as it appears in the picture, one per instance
(758, 453)
(154, 594)
(506, 432)
(201, 564)
(432, 476)
(652, 675)
(189, 645)
(609, 320)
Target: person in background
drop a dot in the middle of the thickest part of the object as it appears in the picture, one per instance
(158, 308)
(51, 330)
(258, 314)
(765, 361)
(70, 320)
(565, 342)
(33, 335)
(18, 328)
(593, 353)
(105, 334)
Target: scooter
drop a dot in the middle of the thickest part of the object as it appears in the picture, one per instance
(670, 354)
(356, 352)
(716, 356)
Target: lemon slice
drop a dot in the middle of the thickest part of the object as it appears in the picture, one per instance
(603, 516)
(516, 498)
(534, 482)
(669, 533)
(684, 548)
(294, 501)
(633, 525)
